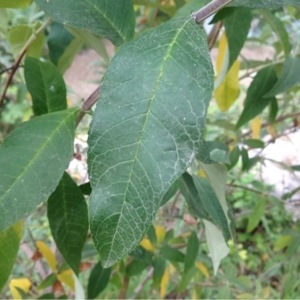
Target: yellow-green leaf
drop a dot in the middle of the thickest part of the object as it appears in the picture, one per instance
(256, 127)
(14, 3)
(9, 245)
(282, 242)
(228, 91)
(23, 284)
(47, 254)
(67, 278)
(160, 234)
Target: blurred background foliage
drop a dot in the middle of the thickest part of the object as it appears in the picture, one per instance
(261, 153)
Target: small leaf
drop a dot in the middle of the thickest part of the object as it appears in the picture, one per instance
(160, 233)
(164, 283)
(256, 101)
(47, 254)
(112, 19)
(58, 40)
(279, 28)
(256, 127)
(228, 91)
(217, 246)
(146, 130)
(282, 242)
(34, 157)
(68, 220)
(192, 197)
(98, 280)
(290, 75)
(46, 86)
(159, 266)
(15, 3)
(237, 26)
(203, 269)
(9, 246)
(172, 254)
(256, 215)
(23, 284)
(147, 245)
(67, 277)
(47, 282)
(191, 252)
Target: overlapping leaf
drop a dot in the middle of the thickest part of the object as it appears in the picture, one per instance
(68, 220)
(9, 246)
(46, 86)
(33, 158)
(112, 19)
(146, 130)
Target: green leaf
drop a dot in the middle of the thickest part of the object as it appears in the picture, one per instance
(256, 215)
(34, 157)
(14, 3)
(136, 267)
(172, 254)
(192, 197)
(217, 246)
(146, 130)
(265, 3)
(290, 75)
(212, 205)
(68, 220)
(159, 266)
(190, 7)
(253, 143)
(46, 86)
(98, 280)
(237, 26)
(279, 28)
(191, 252)
(58, 40)
(255, 100)
(9, 246)
(112, 19)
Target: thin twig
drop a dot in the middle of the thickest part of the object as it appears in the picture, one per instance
(142, 284)
(20, 57)
(213, 35)
(88, 104)
(209, 10)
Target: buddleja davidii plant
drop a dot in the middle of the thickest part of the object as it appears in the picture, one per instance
(146, 131)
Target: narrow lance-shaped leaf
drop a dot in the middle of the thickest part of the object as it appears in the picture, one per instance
(111, 19)
(290, 75)
(256, 101)
(146, 130)
(46, 86)
(68, 220)
(9, 246)
(32, 159)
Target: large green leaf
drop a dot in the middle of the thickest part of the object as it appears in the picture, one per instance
(146, 130)
(9, 246)
(290, 75)
(256, 101)
(113, 19)
(68, 220)
(265, 3)
(191, 252)
(32, 159)
(46, 86)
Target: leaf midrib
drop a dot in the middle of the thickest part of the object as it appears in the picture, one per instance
(107, 19)
(161, 73)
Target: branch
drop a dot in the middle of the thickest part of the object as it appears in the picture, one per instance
(20, 57)
(209, 9)
(88, 104)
